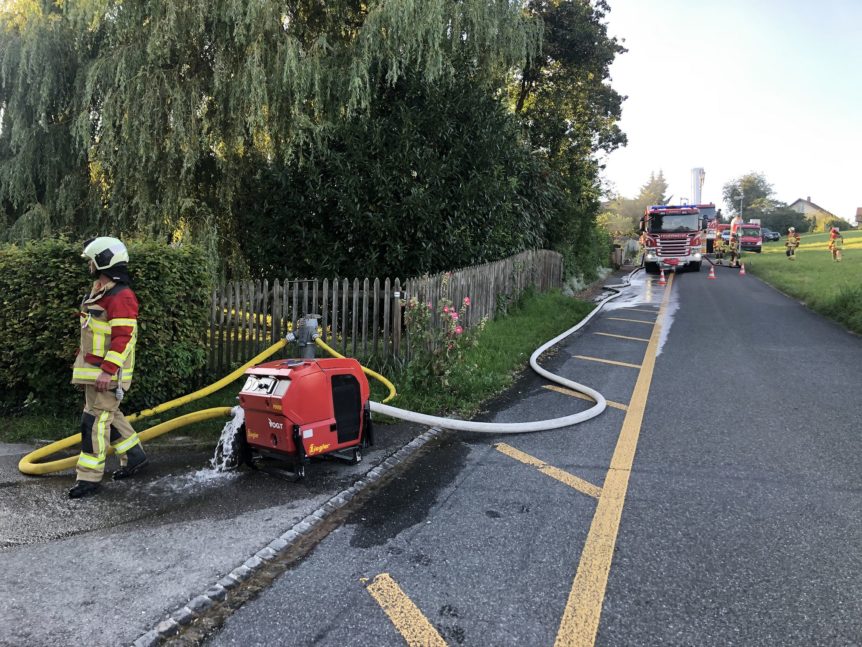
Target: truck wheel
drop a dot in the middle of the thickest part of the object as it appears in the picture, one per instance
(357, 456)
(651, 268)
(695, 267)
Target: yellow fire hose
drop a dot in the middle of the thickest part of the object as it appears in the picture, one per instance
(28, 464)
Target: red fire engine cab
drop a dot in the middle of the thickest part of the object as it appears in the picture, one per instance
(671, 238)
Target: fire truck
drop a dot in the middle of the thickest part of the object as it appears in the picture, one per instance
(671, 238)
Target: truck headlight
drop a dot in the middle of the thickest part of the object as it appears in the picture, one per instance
(697, 256)
(651, 256)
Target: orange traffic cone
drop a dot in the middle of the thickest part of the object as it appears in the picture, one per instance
(661, 279)
(711, 274)
(742, 270)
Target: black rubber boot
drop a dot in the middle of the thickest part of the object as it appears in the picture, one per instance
(84, 488)
(137, 461)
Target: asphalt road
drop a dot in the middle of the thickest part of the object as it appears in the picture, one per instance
(741, 524)
(716, 501)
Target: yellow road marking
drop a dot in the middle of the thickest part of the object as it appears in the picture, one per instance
(582, 396)
(608, 334)
(580, 622)
(406, 616)
(582, 486)
(607, 361)
(652, 312)
(649, 323)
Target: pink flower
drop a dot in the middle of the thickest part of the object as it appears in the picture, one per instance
(445, 308)
(466, 301)
(458, 330)
(429, 305)
(454, 315)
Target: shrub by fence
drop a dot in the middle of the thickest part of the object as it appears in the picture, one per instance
(41, 288)
(363, 318)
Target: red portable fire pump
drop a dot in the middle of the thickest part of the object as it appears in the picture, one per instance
(298, 409)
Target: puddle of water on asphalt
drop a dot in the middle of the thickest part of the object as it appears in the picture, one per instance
(642, 292)
(204, 478)
(222, 467)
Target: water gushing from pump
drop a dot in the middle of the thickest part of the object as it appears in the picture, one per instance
(226, 457)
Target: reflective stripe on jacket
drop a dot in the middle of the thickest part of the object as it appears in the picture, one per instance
(109, 331)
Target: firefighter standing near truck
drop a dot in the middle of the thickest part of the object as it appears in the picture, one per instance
(792, 243)
(733, 252)
(836, 244)
(105, 365)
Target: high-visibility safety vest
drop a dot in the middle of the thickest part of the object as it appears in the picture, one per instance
(109, 332)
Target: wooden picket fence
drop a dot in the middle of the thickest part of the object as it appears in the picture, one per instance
(364, 318)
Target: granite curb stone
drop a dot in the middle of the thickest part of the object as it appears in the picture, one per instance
(218, 592)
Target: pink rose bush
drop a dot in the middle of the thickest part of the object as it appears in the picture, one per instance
(437, 341)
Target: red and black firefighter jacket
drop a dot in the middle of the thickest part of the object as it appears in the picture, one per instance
(109, 331)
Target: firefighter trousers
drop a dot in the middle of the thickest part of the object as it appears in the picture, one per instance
(102, 423)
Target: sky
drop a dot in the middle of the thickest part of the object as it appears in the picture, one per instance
(741, 86)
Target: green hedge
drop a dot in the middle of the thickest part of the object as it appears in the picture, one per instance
(41, 287)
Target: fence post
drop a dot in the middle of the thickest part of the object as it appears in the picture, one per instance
(324, 307)
(386, 308)
(365, 317)
(355, 318)
(211, 355)
(396, 320)
(334, 339)
(376, 314)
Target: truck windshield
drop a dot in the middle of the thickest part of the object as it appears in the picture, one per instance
(673, 223)
(751, 231)
(707, 213)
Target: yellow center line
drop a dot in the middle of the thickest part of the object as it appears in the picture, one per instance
(608, 334)
(582, 396)
(607, 361)
(406, 616)
(649, 323)
(579, 484)
(580, 621)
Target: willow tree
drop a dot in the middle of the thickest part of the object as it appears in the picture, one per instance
(44, 178)
(141, 117)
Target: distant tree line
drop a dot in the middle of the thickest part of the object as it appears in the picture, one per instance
(621, 215)
(752, 196)
(299, 138)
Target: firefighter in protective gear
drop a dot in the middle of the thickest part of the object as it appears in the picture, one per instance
(718, 247)
(105, 365)
(792, 243)
(836, 244)
(733, 252)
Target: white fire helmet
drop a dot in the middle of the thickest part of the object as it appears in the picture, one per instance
(105, 252)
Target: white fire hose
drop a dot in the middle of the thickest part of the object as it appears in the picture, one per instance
(522, 427)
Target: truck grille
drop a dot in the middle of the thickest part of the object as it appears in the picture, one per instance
(672, 247)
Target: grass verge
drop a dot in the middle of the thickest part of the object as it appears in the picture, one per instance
(832, 289)
(504, 348)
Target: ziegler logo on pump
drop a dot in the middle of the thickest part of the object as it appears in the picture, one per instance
(275, 425)
(317, 449)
